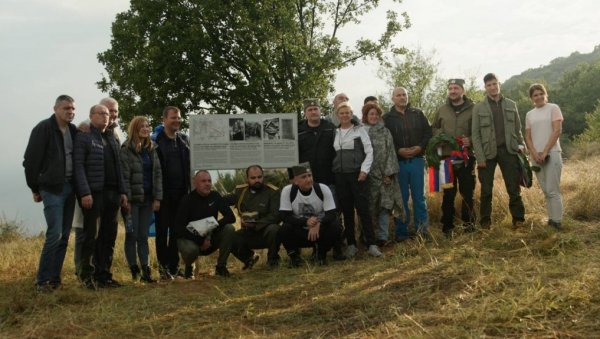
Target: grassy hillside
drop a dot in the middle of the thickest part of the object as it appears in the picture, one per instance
(501, 282)
(552, 72)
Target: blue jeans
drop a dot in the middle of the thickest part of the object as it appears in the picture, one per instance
(58, 210)
(411, 177)
(136, 241)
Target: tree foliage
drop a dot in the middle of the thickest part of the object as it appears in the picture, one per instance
(591, 134)
(417, 71)
(223, 56)
(578, 93)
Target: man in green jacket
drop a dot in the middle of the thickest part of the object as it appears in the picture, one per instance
(257, 204)
(497, 139)
(454, 119)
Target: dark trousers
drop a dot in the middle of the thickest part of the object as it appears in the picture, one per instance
(222, 239)
(99, 235)
(509, 165)
(294, 238)
(354, 194)
(464, 178)
(249, 239)
(166, 245)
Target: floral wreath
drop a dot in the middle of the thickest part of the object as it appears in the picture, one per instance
(431, 152)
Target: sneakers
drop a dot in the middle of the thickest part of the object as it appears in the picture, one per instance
(250, 262)
(165, 274)
(374, 251)
(222, 271)
(351, 251)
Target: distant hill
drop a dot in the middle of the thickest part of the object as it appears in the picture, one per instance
(552, 73)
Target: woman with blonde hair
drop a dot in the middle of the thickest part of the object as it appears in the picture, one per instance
(351, 165)
(543, 126)
(143, 179)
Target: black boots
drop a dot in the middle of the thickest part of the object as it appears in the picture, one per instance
(135, 272)
(146, 277)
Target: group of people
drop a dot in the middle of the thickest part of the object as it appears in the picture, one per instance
(140, 176)
(371, 167)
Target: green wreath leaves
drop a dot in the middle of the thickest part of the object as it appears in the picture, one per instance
(431, 154)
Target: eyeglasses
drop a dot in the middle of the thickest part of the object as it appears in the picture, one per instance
(102, 113)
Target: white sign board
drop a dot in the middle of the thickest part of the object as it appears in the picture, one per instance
(230, 141)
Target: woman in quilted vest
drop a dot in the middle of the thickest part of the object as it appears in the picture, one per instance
(143, 179)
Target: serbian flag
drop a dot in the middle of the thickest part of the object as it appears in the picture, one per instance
(441, 178)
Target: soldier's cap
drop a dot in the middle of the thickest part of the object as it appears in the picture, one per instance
(310, 102)
(300, 169)
(459, 82)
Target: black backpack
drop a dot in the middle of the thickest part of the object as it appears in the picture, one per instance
(316, 187)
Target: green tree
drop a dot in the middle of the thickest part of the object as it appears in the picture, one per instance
(418, 73)
(579, 90)
(591, 134)
(519, 92)
(223, 56)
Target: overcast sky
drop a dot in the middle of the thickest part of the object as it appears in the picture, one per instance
(49, 47)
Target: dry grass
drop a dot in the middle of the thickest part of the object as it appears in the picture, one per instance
(530, 282)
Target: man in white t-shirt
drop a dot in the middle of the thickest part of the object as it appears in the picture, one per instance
(309, 217)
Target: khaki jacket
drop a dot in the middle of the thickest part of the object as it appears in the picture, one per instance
(484, 135)
(447, 122)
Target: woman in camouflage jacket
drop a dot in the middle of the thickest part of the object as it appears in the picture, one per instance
(385, 191)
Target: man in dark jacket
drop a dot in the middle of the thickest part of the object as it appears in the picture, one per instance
(174, 153)
(454, 119)
(257, 204)
(101, 190)
(411, 133)
(315, 143)
(315, 146)
(203, 203)
(48, 163)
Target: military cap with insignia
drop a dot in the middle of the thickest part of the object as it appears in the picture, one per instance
(310, 102)
(459, 82)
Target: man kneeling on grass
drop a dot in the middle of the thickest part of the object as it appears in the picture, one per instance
(196, 227)
(309, 217)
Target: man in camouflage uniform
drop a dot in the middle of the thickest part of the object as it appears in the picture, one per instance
(258, 208)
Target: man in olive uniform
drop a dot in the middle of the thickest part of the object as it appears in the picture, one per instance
(497, 138)
(257, 204)
(454, 119)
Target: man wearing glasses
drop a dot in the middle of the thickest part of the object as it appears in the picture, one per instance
(100, 189)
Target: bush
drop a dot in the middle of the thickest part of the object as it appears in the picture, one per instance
(10, 230)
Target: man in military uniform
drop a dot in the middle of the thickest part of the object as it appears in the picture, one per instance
(257, 204)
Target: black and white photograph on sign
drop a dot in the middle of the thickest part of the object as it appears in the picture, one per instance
(271, 127)
(287, 129)
(236, 129)
(252, 131)
(210, 130)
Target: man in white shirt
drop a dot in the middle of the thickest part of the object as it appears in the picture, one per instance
(309, 217)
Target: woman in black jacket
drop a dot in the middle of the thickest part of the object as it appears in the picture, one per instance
(143, 179)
